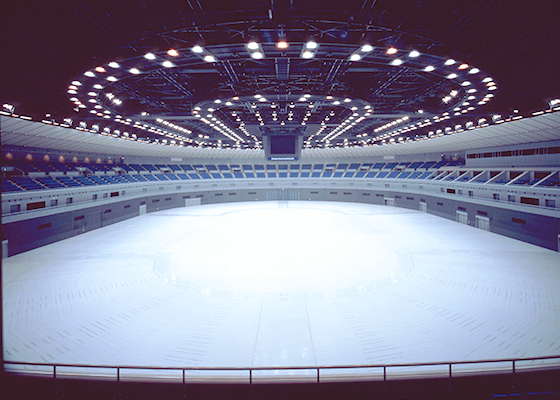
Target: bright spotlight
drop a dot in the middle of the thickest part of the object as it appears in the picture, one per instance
(311, 45)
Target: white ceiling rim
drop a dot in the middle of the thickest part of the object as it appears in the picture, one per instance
(19, 132)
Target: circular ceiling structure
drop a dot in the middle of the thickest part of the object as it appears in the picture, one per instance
(215, 74)
(332, 83)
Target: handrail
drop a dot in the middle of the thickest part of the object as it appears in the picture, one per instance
(295, 367)
(298, 367)
(251, 379)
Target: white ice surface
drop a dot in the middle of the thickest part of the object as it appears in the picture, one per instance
(281, 284)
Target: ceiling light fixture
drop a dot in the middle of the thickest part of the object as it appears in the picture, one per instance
(307, 54)
(311, 45)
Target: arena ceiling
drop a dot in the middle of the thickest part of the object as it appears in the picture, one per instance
(223, 74)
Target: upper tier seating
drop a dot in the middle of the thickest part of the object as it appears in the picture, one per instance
(137, 167)
(44, 166)
(24, 167)
(62, 167)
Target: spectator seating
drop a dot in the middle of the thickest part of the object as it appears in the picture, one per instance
(49, 182)
(85, 181)
(27, 183)
(9, 186)
(68, 181)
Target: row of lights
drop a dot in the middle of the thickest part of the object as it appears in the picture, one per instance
(256, 51)
(391, 124)
(125, 135)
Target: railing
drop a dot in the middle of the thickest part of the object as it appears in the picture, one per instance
(315, 374)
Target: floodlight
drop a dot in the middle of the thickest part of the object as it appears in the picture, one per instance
(311, 45)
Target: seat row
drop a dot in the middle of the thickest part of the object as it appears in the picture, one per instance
(47, 167)
(19, 183)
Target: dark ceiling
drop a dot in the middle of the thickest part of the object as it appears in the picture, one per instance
(47, 45)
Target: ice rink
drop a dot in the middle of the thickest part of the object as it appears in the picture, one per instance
(281, 284)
